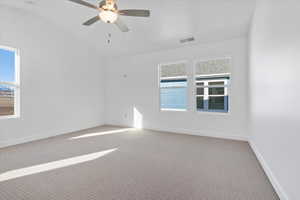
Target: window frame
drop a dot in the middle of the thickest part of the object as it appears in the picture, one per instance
(227, 90)
(185, 62)
(206, 96)
(15, 84)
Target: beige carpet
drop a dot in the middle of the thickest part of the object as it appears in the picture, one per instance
(101, 164)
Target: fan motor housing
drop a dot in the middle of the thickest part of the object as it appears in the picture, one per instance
(103, 4)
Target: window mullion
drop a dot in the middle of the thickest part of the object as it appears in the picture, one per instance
(226, 88)
(206, 95)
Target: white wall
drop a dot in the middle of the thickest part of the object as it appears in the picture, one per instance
(61, 79)
(132, 82)
(274, 82)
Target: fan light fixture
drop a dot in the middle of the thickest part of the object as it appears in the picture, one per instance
(108, 16)
(109, 13)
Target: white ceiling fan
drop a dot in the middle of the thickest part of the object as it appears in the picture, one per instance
(109, 13)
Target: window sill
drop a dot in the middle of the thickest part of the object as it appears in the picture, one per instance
(10, 117)
(212, 113)
(173, 110)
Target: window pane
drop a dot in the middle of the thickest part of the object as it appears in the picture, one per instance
(216, 91)
(7, 100)
(200, 103)
(173, 98)
(217, 103)
(173, 94)
(200, 91)
(7, 65)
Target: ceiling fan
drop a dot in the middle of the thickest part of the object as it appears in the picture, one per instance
(109, 13)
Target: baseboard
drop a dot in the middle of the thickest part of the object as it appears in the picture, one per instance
(204, 133)
(274, 181)
(45, 135)
(278, 188)
(276, 185)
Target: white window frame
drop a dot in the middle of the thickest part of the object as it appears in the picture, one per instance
(15, 85)
(226, 89)
(172, 78)
(206, 94)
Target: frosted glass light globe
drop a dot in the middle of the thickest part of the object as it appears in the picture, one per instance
(108, 16)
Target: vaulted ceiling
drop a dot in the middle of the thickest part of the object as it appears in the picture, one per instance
(170, 21)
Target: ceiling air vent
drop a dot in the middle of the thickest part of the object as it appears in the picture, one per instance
(30, 2)
(186, 40)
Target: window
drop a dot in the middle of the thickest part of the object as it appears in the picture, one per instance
(9, 82)
(173, 86)
(212, 79)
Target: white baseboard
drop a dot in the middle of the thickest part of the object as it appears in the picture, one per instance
(274, 181)
(44, 135)
(213, 134)
(279, 190)
(204, 133)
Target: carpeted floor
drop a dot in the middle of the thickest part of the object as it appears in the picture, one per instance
(110, 163)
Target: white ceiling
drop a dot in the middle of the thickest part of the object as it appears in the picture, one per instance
(170, 21)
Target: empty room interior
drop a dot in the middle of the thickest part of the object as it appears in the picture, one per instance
(149, 100)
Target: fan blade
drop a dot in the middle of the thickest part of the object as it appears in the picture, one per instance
(84, 3)
(120, 24)
(91, 21)
(135, 13)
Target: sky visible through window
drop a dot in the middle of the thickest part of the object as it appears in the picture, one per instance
(7, 80)
(173, 94)
(7, 65)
